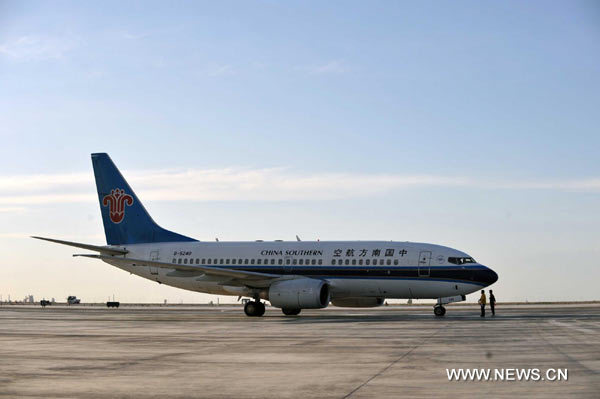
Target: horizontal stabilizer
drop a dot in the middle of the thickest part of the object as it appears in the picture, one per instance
(99, 248)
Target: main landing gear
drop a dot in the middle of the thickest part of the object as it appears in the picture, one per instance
(291, 311)
(439, 310)
(254, 308)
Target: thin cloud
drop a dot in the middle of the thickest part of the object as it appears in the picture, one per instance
(37, 48)
(12, 209)
(219, 70)
(235, 184)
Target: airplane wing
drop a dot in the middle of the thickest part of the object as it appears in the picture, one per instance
(213, 271)
(107, 253)
(102, 249)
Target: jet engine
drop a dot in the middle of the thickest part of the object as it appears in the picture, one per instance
(357, 302)
(301, 293)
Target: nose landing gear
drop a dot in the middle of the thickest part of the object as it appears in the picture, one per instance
(439, 309)
(254, 308)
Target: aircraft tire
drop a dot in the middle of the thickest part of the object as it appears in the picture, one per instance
(290, 311)
(254, 309)
(439, 311)
(261, 309)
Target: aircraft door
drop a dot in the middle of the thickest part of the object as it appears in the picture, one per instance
(154, 255)
(424, 263)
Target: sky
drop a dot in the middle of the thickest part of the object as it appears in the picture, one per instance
(471, 124)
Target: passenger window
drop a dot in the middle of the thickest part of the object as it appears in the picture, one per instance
(294, 261)
(185, 261)
(216, 261)
(272, 261)
(287, 261)
(245, 261)
(347, 261)
(320, 261)
(395, 261)
(301, 261)
(367, 262)
(258, 261)
(389, 262)
(233, 261)
(203, 260)
(280, 261)
(174, 260)
(333, 262)
(314, 262)
(360, 261)
(252, 262)
(209, 261)
(354, 261)
(227, 261)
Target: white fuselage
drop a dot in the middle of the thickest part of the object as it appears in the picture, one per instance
(383, 269)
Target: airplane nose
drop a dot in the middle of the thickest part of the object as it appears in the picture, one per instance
(484, 275)
(490, 276)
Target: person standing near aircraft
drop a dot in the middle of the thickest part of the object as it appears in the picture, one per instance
(492, 303)
(482, 302)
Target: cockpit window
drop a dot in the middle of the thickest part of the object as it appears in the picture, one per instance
(461, 261)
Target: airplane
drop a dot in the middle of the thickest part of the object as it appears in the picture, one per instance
(291, 275)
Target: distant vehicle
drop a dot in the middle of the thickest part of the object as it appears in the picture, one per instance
(291, 275)
(45, 303)
(73, 300)
(112, 304)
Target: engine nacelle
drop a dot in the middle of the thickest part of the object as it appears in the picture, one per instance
(300, 293)
(357, 302)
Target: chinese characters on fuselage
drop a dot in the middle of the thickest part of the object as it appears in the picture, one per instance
(364, 252)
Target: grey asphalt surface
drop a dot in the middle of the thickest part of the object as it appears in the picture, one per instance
(217, 352)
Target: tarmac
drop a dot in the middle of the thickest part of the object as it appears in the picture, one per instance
(218, 352)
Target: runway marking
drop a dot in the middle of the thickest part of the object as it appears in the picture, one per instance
(568, 357)
(386, 368)
(581, 329)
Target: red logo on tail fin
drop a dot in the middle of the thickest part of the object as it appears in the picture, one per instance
(116, 201)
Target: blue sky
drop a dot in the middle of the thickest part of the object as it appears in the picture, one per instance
(471, 124)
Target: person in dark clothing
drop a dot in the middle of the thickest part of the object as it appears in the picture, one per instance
(482, 303)
(492, 303)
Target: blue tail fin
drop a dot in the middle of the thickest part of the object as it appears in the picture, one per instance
(125, 219)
